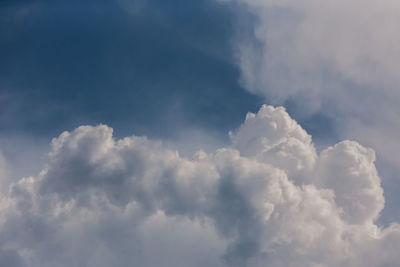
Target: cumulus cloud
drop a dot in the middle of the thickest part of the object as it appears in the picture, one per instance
(268, 199)
(338, 58)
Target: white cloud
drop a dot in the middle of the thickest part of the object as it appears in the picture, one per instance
(272, 136)
(336, 57)
(267, 200)
(302, 40)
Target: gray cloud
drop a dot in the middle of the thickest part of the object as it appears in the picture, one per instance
(267, 199)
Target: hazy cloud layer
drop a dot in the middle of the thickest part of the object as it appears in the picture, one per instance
(269, 199)
(306, 43)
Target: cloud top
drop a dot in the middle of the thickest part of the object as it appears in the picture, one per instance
(334, 58)
(269, 199)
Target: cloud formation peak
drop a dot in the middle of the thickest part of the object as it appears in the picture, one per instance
(337, 59)
(269, 199)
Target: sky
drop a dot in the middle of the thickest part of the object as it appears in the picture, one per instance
(199, 133)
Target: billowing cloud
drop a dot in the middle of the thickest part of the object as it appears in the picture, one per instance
(269, 199)
(339, 58)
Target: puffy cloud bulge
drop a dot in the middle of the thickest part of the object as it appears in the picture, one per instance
(269, 199)
(339, 58)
